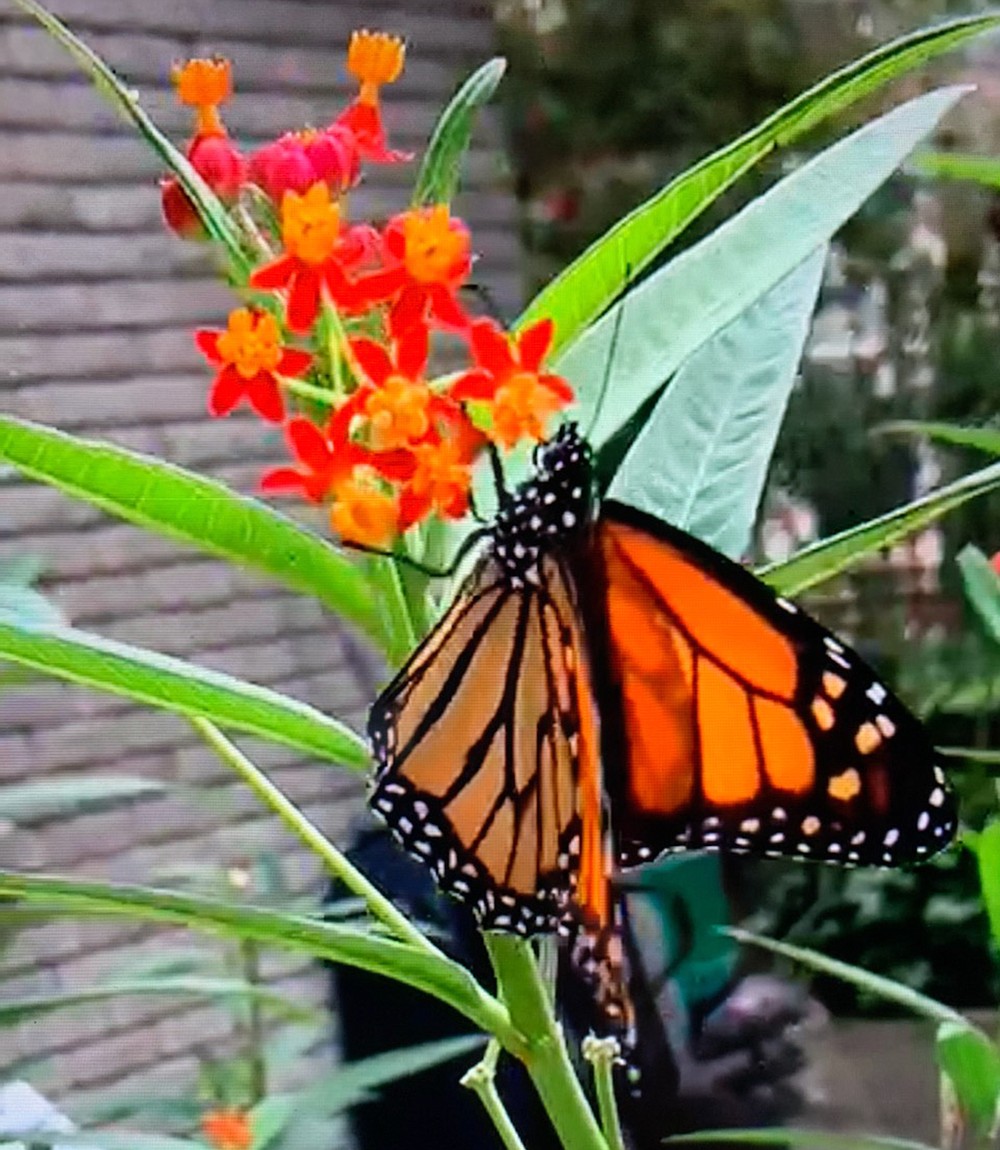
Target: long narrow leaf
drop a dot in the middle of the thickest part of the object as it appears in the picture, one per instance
(578, 295)
(980, 438)
(875, 984)
(982, 588)
(432, 973)
(983, 170)
(213, 215)
(807, 1139)
(25, 802)
(174, 685)
(701, 459)
(829, 557)
(681, 306)
(441, 169)
(199, 511)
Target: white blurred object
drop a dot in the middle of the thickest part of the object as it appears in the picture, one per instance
(23, 1112)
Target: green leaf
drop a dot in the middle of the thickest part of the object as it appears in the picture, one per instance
(701, 459)
(972, 1064)
(874, 984)
(974, 754)
(180, 505)
(440, 171)
(681, 306)
(987, 850)
(213, 215)
(806, 1139)
(980, 438)
(26, 802)
(578, 295)
(433, 973)
(174, 685)
(982, 588)
(111, 1140)
(28, 607)
(21, 570)
(12, 1012)
(960, 166)
(829, 557)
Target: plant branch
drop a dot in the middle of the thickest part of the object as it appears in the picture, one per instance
(481, 1079)
(602, 1054)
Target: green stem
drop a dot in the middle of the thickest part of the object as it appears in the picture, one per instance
(336, 347)
(546, 1058)
(309, 391)
(482, 1079)
(602, 1054)
(378, 905)
(250, 961)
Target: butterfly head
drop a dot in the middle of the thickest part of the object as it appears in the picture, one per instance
(549, 509)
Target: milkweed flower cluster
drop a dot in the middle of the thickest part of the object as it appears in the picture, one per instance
(334, 333)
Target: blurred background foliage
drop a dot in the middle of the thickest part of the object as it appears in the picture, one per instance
(604, 103)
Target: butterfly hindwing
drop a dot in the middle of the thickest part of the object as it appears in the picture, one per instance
(477, 746)
(743, 724)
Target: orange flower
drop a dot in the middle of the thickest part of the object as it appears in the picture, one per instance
(373, 59)
(204, 85)
(507, 377)
(319, 253)
(227, 1129)
(429, 258)
(394, 395)
(250, 358)
(442, 476)
(327, 458)
(364, 512)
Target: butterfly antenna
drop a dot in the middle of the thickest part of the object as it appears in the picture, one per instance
(493, 309)
(496, 464)
(612, 348)
(465, 547)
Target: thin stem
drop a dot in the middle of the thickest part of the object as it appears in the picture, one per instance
(249, 225)
(309, 391)
(602, 1054)
(481, 1078)
(339, 866)
(250, 961)
(336, 347)
(546, 1058)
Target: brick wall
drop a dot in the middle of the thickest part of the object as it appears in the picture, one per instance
(96, 307)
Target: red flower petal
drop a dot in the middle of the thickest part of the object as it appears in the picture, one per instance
(446, 309)
(534, 342)
(409, 309)
(264, 397)
(373, 360)
(491, 347)
(558, 386)
(394, 237)
(294, 362)
(282, 479)
(411, 354)
(473, 385)
(275, 275)
(227, 391)
(303, 300)
(412, 508)
(380, 287)
(207, 343)
(309, 445)
(397, 465)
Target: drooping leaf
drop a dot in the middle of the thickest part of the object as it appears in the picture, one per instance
(972, 1063)
(701, 459)
(198, 511)
(433, 973)
(175, 685)
(578, 295)
(678, 308)
(982, 588)
(829, 557)
(213, 215)
(980, 438)
(26, 802)
(441, 169)
(874, 984)
(983, 170)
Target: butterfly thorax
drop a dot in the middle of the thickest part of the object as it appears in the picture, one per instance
(549, 511)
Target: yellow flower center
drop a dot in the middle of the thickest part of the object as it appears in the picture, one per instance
(520, 408)
(364, 514)
(440, 474)
(433, 246)
(251, 342)
(310, 224)
(204, 85)
(398, 412)
(374, 59)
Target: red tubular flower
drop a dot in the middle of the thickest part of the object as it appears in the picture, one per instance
(297, 160)
(204, 84)
(395, 397)
(319, 254)
(364, 512)
(442, 474)
(250, 358)
(507, 376)
(327, 458)
(373, 59)
(227, 1129)
(428, 254)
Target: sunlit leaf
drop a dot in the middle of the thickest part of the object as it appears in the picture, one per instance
(983, 170)
(972, 1063)
(980, 438)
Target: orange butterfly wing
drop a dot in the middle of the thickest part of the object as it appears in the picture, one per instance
(740, 723)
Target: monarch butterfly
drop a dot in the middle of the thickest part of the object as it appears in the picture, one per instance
(606, 688)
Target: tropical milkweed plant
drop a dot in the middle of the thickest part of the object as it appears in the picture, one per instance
(330, 339)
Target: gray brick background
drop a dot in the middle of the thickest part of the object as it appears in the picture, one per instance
(97, 303)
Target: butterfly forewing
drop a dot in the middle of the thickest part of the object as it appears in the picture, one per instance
(477, 743)
(743, 724)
